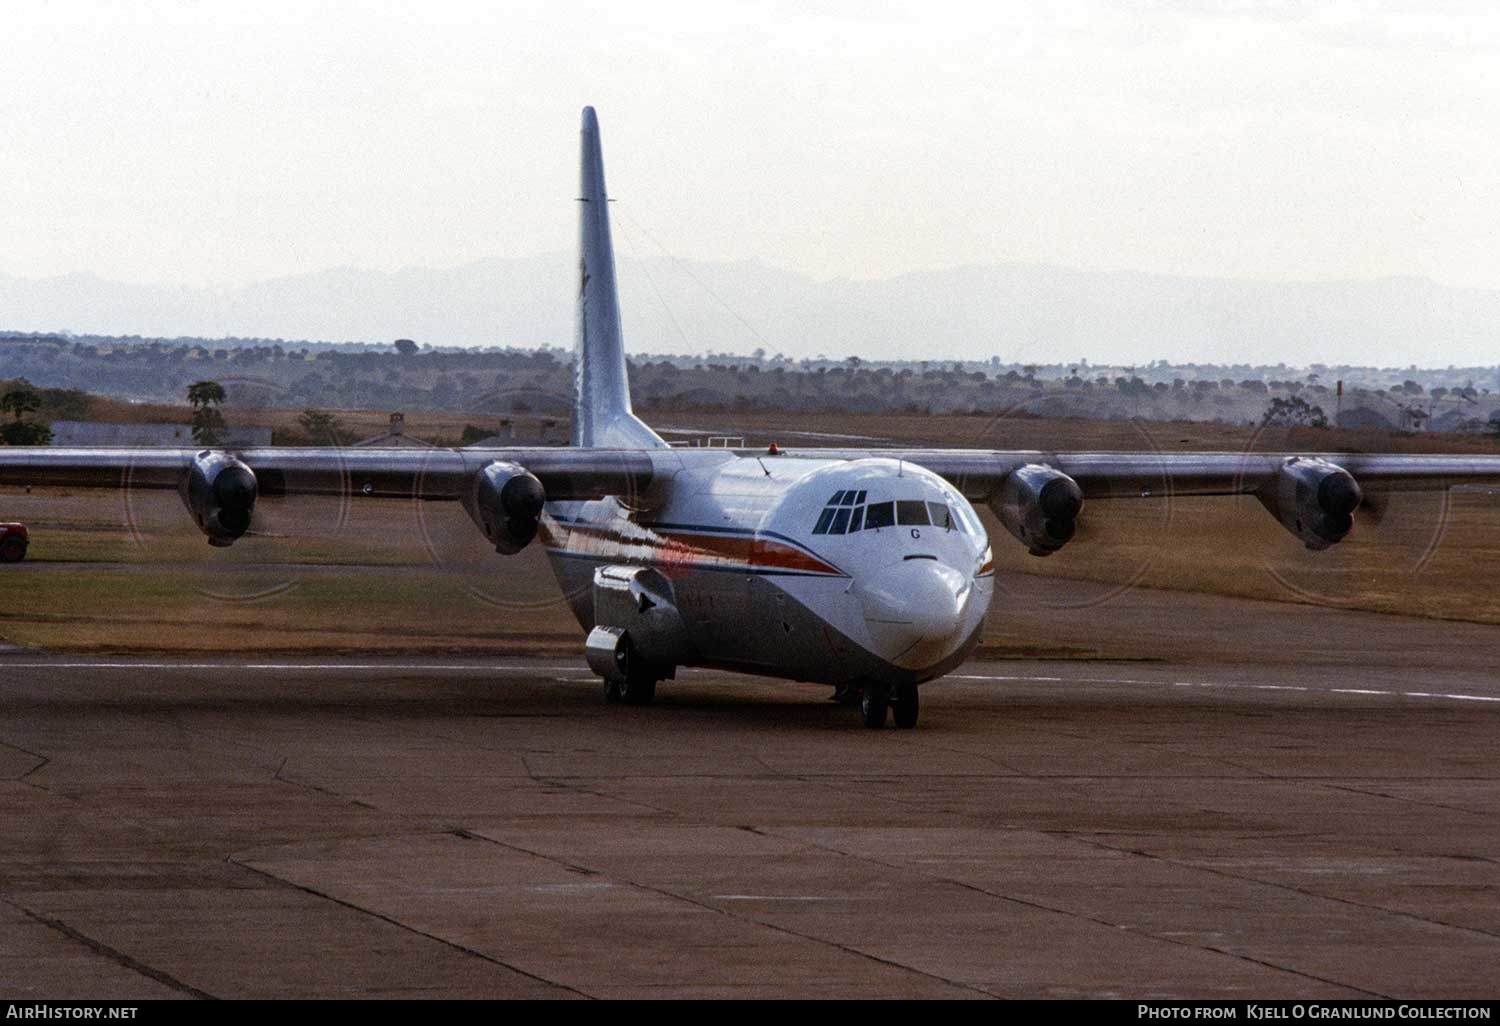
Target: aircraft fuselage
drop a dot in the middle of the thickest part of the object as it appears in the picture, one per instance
(837, 571)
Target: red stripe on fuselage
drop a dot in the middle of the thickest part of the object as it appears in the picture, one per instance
(680, 547)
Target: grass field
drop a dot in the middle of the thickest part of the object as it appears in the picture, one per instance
(113, 573)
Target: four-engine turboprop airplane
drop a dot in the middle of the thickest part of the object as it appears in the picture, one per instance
(868, 570)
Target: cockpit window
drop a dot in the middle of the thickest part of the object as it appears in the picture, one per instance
(843, 514)
(847, 513)
(968, 522)
(913, 511)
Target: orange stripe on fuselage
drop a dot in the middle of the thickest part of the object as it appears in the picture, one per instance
(681, 547)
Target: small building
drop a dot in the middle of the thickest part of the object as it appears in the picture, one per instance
(395, 437)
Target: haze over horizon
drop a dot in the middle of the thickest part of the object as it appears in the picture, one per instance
(1022, 313)
(855, 152)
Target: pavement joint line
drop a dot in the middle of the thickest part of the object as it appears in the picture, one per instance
(570, 783)
(392, 921)
(988, 757)
(113, 954)
(42, 760)
(40, 765)
(836, 945)
(217, 736)
(1107, 924)
(729, 914)
(544, 781)
(315, 788)
(1351, 789)
(1303, 891)
(780, 897)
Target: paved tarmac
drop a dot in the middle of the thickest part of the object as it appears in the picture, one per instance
(1316, 825)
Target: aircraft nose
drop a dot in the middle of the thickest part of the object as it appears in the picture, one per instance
(915, 609)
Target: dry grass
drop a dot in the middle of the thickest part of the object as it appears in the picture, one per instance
(357, 424)
(1427, 557)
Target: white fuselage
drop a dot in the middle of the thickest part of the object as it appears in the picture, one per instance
(811, 569)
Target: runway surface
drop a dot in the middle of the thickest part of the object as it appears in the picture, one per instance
(1311, 827)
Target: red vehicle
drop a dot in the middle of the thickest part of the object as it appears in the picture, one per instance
(13, 541)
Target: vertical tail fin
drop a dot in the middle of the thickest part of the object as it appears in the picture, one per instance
(602, 417)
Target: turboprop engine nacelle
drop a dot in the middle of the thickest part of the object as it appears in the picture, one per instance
(1039, 506)
(506, 502)
(220, 492)
(1312, 498)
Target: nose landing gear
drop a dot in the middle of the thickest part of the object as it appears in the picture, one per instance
(873, 705)
(876, 700)
(904, 706)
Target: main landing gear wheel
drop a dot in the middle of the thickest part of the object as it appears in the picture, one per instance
(873, 705)
(637, 690)
(846, 694)
(635, 684)
(904, 706)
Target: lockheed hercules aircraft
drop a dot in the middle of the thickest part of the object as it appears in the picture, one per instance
(867, 570)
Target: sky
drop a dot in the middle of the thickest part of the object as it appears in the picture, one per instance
(217, 144)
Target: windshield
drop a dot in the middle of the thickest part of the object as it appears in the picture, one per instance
(847, 512)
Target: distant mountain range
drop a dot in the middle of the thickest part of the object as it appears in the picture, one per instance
(1020, 312)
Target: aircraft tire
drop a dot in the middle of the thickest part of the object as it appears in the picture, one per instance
(904, 706)
(634, 683)
(873, 705)
(638, 690)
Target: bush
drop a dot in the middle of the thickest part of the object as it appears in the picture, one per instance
(1294, 412)
(25, 432)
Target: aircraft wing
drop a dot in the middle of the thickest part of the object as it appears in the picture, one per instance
(1036, 495)
(388, 473)
(1112, 475)
(573, 473)
(503, 490)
